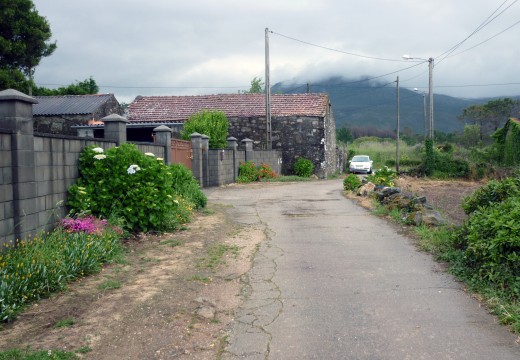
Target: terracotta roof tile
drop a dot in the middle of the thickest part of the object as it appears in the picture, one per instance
(174, 108)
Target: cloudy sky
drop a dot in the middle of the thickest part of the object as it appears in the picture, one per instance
(174, 47)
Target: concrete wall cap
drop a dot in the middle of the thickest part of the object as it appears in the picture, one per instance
(162, 128)
(12, 94)
(231, 138)
(195, 135)
(204, 136)
(114, 118)
(247, 140)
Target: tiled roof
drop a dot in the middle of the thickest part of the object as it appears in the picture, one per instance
(69, 104)
(172, 108)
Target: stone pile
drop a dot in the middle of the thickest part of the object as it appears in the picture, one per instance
(415, 209)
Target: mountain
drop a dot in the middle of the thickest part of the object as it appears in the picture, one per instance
(369, 103)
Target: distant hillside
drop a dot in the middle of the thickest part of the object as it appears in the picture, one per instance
(372, 104)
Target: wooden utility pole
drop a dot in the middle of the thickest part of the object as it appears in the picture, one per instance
(430, 68)
(269, 143)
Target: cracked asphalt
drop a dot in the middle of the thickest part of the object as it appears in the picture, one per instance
(334, 282)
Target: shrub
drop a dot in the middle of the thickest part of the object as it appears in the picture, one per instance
(211, 123)
(303, 167)
(247, 172)
(137, 187)
(495, 191)
(32, 269)
(266, 172)
(490, 241)
(383, 177)
(351, 182)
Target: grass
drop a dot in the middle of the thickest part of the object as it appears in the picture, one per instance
(382, 150)
(216, 253)
(68, 322)
(109, 284)
(171, 242)
(28, 354)
(201, 278)
(83, 350)
(288, 178)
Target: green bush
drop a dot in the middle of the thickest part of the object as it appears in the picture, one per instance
(351, 182)
(184, 184)
(211, 123)
(490, 244)
(495, 191)
(32, 269)
(139, 188)
(383, 177)
(248, 172)
(303, 167)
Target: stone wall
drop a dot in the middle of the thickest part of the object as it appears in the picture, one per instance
(313, 138)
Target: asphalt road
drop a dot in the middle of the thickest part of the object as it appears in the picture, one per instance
(334, 282)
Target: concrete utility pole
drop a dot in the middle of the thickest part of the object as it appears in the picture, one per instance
(269, 143)
(430, 68)
(397, 137)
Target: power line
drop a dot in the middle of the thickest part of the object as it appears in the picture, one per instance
(336, 50)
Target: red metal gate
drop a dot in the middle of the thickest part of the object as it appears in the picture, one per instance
(181, 152)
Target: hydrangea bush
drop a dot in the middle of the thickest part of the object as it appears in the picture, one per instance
(139, 188)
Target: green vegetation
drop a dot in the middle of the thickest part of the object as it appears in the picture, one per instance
(139, 189)
(27, 354)
(68, 322)
(249, 172)
(33, 269)
(287, 178)
(24, 36)
(303, 167)
(210, 123)
(351, 182)
(383, 177)
(216, 253)
(109, 284)
(85, 87)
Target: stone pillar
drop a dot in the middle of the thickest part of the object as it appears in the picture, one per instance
(249, 148)
(16, 116)
(163, 136)
(205, 159)
(233, 145)
(196, 161)
(115, 128)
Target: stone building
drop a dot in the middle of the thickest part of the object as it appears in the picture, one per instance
(59, 114)
(302, 125)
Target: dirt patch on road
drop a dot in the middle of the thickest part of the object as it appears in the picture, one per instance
(173, 296)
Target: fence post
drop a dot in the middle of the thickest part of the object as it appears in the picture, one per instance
(163, 136)
(196, 161)
(249, 148)
(115, 128)
(16, 116)
(232, 143)
(205, 159)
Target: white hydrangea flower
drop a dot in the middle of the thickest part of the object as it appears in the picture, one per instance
(98, 150)
(149, 154)
(100, 157)
(132, 169)
(160, 159)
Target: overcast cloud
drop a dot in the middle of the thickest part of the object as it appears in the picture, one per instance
(173, 47)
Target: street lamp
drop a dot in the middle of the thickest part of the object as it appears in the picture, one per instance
(424, 112)
(430, 68)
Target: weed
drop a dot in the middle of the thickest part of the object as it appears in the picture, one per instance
(68, 322)
(109, 284)
(198, 277)
(171, 242)
(216, 253)
(83, 350)
(17, 354)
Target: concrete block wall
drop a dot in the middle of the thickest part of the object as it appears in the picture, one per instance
(157, 150)
(271, 158)
(6, 189)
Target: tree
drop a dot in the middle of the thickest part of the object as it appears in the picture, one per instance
(497, 112)
(344, 135)
(256, 86)
(24, 41)
(85, 87)
(212, 123)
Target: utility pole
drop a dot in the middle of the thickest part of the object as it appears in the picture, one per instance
(430, 68)
(424, 115)
(397, 137)
(269, 143)
(308, 88)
